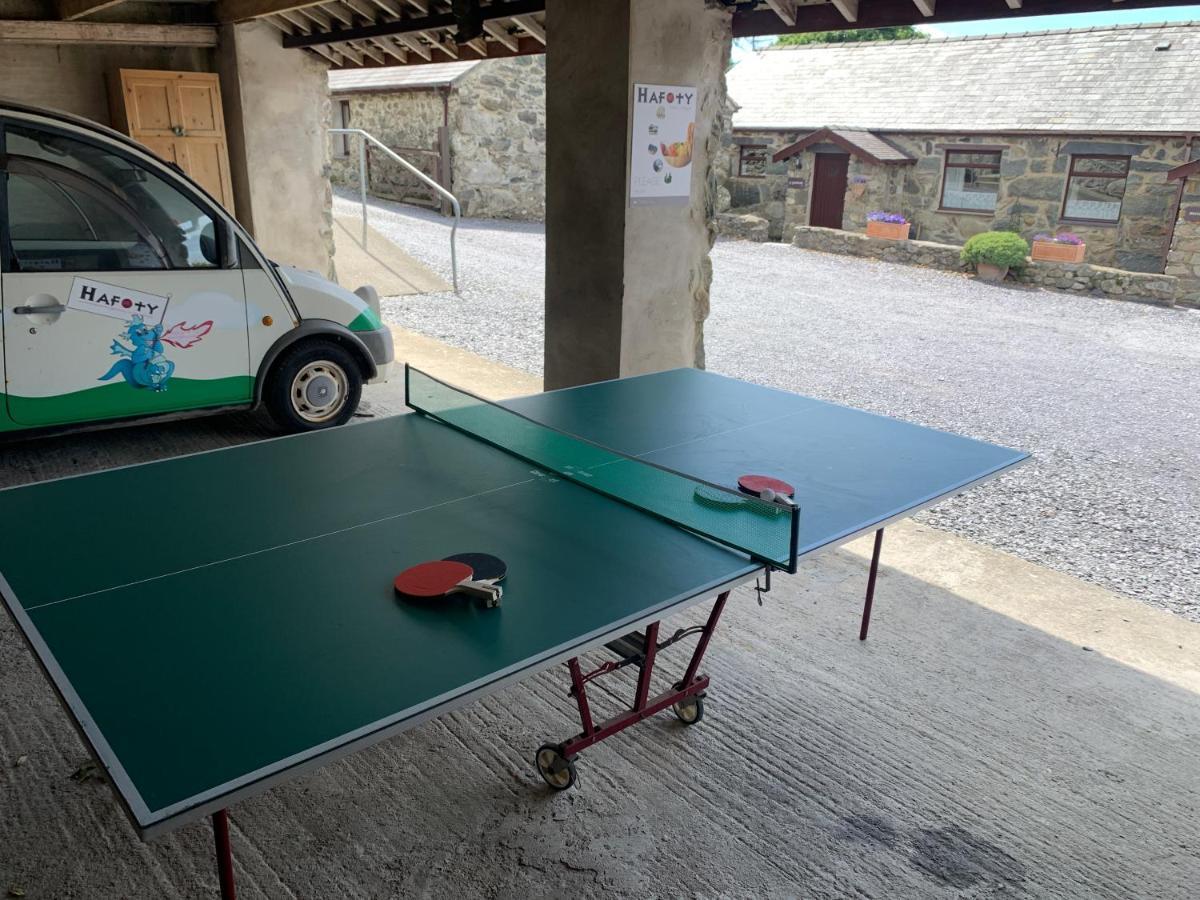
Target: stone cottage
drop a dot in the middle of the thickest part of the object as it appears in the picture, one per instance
(476, 127)
(1037, 132)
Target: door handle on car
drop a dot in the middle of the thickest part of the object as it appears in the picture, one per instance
(38, 310)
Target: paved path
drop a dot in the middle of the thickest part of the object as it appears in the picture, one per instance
(1103, 393)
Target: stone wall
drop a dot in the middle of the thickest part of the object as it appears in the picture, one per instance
(1033, 179)
(406, 121)
(496, 118)
(1184, 260)
(764, 195)
(1081, 278)
(498, 139)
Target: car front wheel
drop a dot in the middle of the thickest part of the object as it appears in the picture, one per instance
(315, 385)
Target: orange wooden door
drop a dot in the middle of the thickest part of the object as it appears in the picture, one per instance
(178, 115)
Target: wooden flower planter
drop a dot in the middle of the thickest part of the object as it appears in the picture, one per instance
(888, 230)
(1052, 251)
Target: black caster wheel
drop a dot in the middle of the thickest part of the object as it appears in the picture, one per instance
(556, 770)
(690, 710)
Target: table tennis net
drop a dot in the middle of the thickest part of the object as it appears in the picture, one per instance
(765, 531)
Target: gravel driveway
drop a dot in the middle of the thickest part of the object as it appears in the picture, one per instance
(1106, 395)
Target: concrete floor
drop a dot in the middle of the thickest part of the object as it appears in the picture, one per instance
(1005, 731)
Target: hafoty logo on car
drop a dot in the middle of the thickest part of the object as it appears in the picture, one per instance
(116, 302)
(645, 95)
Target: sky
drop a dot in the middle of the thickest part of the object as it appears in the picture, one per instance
(1038, 23)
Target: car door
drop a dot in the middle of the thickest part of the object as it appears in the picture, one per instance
(118, 296)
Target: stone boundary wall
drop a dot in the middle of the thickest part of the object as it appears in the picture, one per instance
(1082, 278)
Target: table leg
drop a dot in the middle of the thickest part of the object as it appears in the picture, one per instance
(220, 823)
(866, 616)
(556, 762)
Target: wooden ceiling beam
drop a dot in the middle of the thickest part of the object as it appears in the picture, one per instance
(339, 12)
(447, 47)
(14, 31)
(245, 10)
(69, 10)
(414, 44)
(926, 7)
(499, 33)
(785, 9)
(532, 27)
(517, 10)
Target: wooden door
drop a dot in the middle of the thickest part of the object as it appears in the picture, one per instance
(178, 115)
(829, 190)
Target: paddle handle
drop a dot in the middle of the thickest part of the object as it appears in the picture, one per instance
(490, 594)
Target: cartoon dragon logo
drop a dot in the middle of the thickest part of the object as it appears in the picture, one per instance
(143, 365)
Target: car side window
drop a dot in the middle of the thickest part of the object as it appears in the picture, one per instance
(77, 206)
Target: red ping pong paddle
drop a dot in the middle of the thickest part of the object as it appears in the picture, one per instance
(773, 490)
(441, 578)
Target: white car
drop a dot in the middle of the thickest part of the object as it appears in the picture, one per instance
(128, 292)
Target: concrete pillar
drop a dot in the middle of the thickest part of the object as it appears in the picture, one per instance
(277, 111)
(626, 287)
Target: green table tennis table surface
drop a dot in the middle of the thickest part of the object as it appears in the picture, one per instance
(219, 621)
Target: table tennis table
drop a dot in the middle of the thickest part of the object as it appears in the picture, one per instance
(218, 623)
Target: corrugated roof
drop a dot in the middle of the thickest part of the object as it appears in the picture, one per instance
(399, 77)
(1081, 80)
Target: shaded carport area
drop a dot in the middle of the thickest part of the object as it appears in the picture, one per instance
(1007, 731)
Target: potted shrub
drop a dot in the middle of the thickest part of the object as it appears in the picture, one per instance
(892, 226)
(1061, 247)
(993, 253)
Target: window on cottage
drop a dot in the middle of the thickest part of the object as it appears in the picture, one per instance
(341, 119)
(752, 160)
(1095, 188)
(971, 181)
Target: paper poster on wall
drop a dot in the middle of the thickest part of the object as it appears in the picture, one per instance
(664, 134)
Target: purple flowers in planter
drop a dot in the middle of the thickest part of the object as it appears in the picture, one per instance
(891, 218)
(1063, 237)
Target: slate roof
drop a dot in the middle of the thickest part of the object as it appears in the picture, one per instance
(1097, 80)
(347, 81)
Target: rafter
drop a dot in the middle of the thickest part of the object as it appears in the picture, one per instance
(415, 46)
(785, 9)
(848, 9)
(24, 31)
(532, 27)
(311, 12)
(499, 33)
(368, 51)
(336, 11)
(77, 9)
(520, 11)
(447, 47)
(926, 7)
(363, 9)
(244, 10)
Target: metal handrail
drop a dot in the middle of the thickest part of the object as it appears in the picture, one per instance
(362, 186)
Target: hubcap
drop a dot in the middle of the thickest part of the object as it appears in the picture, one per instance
(319, 391)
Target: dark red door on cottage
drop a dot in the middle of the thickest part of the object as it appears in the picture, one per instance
(829, 190)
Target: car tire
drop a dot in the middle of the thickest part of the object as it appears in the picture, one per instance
(314, 385)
